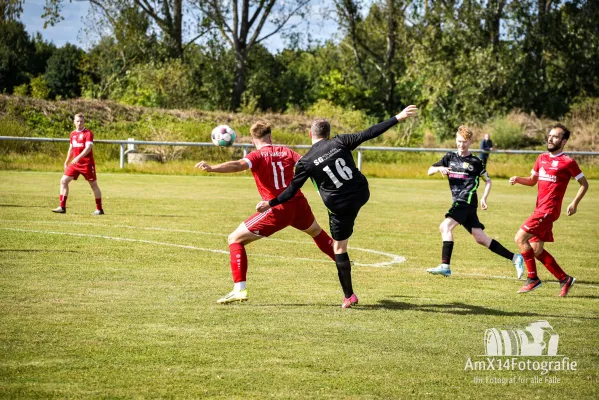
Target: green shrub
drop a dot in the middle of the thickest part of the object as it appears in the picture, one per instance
(39, 88)
(21, 90)
(507, 134)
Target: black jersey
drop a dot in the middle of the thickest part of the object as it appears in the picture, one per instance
(330, 165)
(464, 177)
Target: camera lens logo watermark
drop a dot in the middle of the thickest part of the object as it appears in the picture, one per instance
(537, 339)
(516, 350)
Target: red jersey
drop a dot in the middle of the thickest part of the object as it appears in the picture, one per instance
(554, 174)
(272, 167)
(78, 141)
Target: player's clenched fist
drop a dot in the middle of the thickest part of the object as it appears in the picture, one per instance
(262, 206)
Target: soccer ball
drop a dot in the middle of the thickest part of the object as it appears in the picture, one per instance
(223, 135)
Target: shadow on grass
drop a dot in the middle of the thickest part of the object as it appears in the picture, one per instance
(458, 308)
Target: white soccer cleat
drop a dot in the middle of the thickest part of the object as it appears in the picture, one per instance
(235, 295)
(519, 264)
(442, 269)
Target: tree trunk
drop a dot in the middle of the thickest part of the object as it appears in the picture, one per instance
(239, 80)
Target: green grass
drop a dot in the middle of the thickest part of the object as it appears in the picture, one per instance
(87, 316)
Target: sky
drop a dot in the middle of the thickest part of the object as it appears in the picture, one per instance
(70, 29)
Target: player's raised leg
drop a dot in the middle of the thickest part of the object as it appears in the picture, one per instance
(323, 241)
(64, 192)
(481, 238)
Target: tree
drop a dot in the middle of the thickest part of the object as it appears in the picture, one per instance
(166, 14)
(16, 53)
(242, 27)
(63, 72)
(10, 10)
(374, 40)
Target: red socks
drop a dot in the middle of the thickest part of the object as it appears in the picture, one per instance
(99, 204)
(239, 262)
(325, 244)
(531, 265)
(63, 201)
(552, 265)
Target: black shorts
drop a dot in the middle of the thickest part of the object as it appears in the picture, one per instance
(465, 215)
(343, 217)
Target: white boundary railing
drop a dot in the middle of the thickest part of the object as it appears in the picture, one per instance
(246, 146)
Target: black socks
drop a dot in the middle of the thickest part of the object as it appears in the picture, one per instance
(344, 272)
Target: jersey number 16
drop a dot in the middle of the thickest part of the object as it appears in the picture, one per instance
(342, 169)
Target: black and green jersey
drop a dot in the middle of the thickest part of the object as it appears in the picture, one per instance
(464, 176)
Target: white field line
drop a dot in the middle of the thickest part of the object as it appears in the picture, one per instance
(395, 259)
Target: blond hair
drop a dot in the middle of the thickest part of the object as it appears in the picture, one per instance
(464, 132)
(260, 129)
(79, 116)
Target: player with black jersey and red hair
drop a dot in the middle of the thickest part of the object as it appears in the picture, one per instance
(341, 185)
(272, 168)
(552, 171)
(464, 171)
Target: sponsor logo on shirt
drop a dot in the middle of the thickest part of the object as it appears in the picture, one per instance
(544, 176)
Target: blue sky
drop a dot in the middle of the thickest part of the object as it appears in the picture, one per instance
(74, 13)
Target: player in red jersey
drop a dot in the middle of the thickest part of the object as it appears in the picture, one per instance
(80, 148)
(552, 171)
(272, 167)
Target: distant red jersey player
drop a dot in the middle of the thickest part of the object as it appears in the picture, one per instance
(552, 171)
(80, 148)
(272, 167)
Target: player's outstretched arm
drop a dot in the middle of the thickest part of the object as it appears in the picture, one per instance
(584, 186)
(408, 112)
(227, 167)
(356, 139)
(530, 181)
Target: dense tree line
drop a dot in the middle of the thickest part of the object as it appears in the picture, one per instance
(459, 60)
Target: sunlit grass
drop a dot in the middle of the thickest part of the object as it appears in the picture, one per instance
(85, 315)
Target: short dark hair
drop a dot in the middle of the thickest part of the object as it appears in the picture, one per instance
(321, 128)
(566, 131)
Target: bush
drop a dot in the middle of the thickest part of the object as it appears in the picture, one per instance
(21, 90)
(39, 88)
(506, 134)
(350, 120)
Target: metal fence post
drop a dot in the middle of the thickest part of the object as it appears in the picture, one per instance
(122, 155)
(359, 159)
(245, 151)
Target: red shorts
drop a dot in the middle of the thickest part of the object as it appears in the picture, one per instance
(88, 171)
(541, 226)
(296, 213)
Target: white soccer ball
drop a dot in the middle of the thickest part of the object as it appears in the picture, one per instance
(223, 135)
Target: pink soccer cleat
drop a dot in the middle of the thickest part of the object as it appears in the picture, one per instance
(348, 302)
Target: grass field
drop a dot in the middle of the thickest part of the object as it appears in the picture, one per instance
(123, 305)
